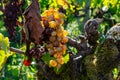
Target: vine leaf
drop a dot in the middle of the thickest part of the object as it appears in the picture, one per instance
(46, 58)
(4, 52)
(3, 58)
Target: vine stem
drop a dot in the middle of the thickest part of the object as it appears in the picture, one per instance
(17, 50)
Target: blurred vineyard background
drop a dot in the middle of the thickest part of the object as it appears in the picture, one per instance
(76, 12)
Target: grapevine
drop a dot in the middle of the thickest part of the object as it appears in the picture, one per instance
(114, 33)
(55, 36)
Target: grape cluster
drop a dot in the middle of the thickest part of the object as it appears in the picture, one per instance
(55, 36)
(11, 15)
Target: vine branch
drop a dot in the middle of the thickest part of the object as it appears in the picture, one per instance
(17, 50)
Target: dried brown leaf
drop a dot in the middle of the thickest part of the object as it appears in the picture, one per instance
(32, 26)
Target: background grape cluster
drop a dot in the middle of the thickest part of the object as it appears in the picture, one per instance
(11, 12)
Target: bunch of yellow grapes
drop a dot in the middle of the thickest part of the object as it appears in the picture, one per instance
(55, 44)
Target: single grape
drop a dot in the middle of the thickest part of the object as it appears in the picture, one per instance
(51, 51)
(49, 46)
(58, 15)
(53, 63)
(57, 55)
(64, 49)
(59, 49)
(56, 43)
(53, 33)
(65, 33)
(60, 60)
(52, 38)
(65, 39)
(59, 39)
(58, 66)
(52, 24)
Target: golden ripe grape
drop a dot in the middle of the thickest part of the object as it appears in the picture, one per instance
(65, 39)
(47, 13)
(54, 33)
(52, 10)
(58, 15)
(59, 29)
(60, 60)
(59, 32)
(59, 21)
(56, 43)
(57, 55)
(59, 49)
(64, 48)
(49, 46)
(59, 39)
(53, 63)
(50, 18)
(65, 33)
(52, 24)
(51, 51)
(52, 38)
(58, 66)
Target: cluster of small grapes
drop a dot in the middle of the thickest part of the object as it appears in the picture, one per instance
(55, 36)
(11, 15)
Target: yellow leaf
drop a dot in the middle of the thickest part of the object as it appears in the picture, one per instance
(3, 58)
(10, 54)
(1, 37)
(6, 41)
(66, 58)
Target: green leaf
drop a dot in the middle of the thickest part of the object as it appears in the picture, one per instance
(47, 57)
(115, 72)
(81, 1)
(66, 58)
(15, 71)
